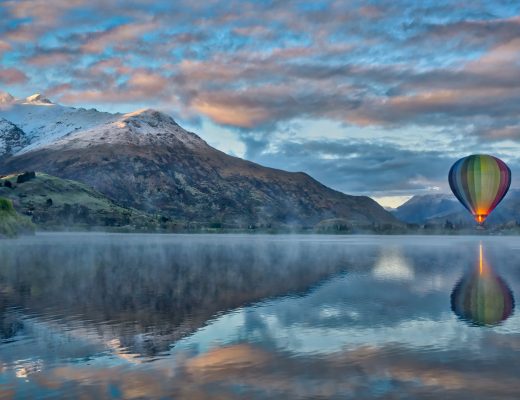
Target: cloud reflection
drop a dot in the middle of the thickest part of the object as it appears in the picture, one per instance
(392, 265)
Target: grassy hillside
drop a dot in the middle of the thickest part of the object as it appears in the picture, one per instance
(54, 203)
(11, 223)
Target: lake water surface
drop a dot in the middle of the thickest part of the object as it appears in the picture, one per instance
(259, 317)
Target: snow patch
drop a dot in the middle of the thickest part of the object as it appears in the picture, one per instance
(37, 98)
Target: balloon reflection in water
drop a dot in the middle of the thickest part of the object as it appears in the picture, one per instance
(482, 297)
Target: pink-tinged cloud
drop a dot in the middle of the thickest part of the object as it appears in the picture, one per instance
(259, 106)
(470, 32)
(148, 83)
(239, 115)
(12, 76)
(503, 58)
(501, 133)
(41, 11)
(49, 59)
(57, 91)
(107, 65)
(22, 34)
(485, 87)
(4, 47)
(43, 16)
(141, 85)
(456, 103)
(253, 31)
(96, 96)
(97, 42)
(371, 12)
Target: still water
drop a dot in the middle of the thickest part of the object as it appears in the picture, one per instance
(259, 317)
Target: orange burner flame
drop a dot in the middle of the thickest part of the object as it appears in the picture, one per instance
(480, 218)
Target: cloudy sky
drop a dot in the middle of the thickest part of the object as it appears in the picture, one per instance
(369, 97)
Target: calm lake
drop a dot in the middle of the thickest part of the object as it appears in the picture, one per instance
(99, 316)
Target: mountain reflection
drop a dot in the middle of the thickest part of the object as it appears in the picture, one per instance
(482, 297)
(142, 296)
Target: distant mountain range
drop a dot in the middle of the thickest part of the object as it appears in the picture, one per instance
(439, 208)
(145, 160)
(421, 208)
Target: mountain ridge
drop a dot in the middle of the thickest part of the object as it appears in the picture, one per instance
(145, 160)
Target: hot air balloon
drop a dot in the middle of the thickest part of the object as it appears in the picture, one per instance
(480, 182)
(482, 297)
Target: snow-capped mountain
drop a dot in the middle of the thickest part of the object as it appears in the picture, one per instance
(140, 128)
(145, 160)
(44, 122)
(47, 124)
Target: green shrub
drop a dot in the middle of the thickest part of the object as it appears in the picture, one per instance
(6, 205)
(11, 223)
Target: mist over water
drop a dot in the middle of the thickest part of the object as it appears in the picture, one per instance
(259, 316)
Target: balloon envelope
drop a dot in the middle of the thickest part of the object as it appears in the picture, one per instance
(480, 182)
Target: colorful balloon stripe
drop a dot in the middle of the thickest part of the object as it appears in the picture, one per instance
(480, 182)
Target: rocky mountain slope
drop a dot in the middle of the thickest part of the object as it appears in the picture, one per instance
(12, 138)
(147, 161)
